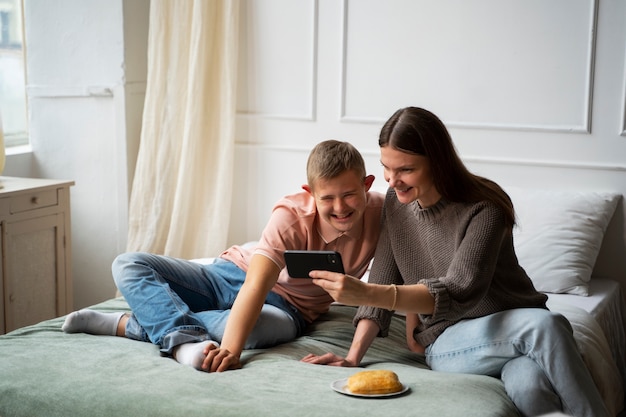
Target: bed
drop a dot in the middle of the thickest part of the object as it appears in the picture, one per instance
(45, 372)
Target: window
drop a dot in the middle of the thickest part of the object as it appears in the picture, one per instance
(13, 110)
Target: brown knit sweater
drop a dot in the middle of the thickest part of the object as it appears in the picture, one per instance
(462, 252)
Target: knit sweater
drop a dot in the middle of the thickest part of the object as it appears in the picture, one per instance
(462, 252)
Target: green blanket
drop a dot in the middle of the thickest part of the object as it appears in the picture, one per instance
(45, 372)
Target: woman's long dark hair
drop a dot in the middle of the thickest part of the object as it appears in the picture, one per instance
(417, 131)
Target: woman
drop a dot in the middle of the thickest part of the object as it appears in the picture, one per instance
(445, 257)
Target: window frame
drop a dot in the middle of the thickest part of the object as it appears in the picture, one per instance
(13, 94)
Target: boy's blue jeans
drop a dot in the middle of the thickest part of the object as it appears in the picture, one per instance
(534, 353)
(174, 301)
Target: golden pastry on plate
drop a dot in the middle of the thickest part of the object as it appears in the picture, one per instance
(370, 382)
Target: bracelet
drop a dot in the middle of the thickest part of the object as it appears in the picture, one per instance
(395, 297)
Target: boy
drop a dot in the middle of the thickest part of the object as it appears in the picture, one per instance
(205, 315)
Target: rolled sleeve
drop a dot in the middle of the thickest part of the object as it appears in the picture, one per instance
(442, 298)
(380, 316)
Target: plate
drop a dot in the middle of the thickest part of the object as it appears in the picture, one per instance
(340, 386)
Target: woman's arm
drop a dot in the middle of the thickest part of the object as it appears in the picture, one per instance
(352, 291)
(364, 335)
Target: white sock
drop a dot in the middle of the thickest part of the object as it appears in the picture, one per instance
(192, 354)
(92, 322)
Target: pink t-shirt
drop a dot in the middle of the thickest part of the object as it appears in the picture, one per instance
(294, 224)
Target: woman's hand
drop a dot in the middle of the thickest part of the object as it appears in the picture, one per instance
(327, 359)
(342, 288)
(412, 321)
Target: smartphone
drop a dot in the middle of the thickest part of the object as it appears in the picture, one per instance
(301, 262)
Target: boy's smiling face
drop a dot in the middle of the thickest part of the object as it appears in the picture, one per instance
(341, 201)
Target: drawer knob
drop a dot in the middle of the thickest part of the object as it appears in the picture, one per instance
(34, 200)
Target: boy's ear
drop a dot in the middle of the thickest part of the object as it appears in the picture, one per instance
(306, 188)
(369, 180)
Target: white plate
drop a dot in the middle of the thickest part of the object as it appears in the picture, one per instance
(340, 386)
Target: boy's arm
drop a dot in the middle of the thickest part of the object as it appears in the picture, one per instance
(260, 278)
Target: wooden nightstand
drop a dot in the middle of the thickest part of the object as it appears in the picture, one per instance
(36, 274)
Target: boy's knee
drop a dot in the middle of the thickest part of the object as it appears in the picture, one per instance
(273, 326)
(121, 262)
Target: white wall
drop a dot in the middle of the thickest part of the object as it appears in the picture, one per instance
(533, 91)
(86, 64)
(534, 94)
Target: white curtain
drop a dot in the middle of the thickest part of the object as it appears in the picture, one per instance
(181, 194)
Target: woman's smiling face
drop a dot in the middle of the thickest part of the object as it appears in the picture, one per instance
(410, 176)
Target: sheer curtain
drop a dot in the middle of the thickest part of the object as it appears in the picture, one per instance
(181, 194)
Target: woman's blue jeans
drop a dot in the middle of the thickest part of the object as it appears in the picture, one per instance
(174, 301)
(534, 353)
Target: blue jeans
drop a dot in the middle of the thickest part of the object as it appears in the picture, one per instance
(532, 350)
(174, 301)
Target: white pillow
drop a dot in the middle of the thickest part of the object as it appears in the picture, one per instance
(559, 234)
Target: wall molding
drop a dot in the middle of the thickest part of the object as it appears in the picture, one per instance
(623, 127)
(312, 116)
(583, 127)
(342, 90)
(545, 163)
(483, 126)
(591, 64)
(595, 166)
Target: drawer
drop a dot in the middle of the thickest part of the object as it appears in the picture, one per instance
(34, 200)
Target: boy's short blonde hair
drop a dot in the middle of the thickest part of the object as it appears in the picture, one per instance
(331, 158)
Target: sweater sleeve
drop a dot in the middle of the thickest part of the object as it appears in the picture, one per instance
(384, 271)
(471, 271)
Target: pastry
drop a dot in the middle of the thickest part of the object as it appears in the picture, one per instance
(374, 382)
